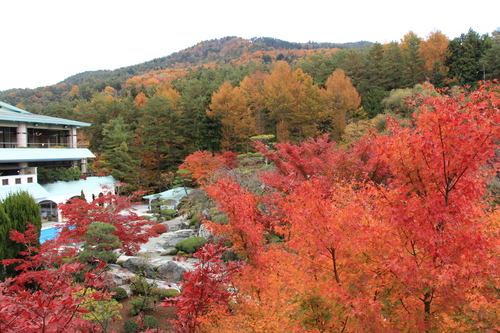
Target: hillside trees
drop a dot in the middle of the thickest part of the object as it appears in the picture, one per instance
(282, 98)
(464, 60)
(414, 249)
(490, 63)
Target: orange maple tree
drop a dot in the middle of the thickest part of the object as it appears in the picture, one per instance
(201, 164)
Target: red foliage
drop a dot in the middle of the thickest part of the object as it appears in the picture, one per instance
(132, 230)
(230, 159)
(159, 228)
(204, 290)
(200, 164)
(42, 297)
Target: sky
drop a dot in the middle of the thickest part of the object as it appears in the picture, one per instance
(45, 41)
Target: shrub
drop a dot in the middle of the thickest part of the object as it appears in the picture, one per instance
(131, 326)
(120, 293)
(140, 286)
(98, 311)
(165, 293)
(173, 252)
(150, 322)
(194, 221)
(139, 304)
(169, 212)
(159, 228)
(190, 245)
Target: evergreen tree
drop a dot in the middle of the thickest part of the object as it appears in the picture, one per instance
(20, 208)
(161, 134)
(393, 67)
(319, 66)
(5, 227)
(375, 67)
(100, 243)
(490, 63)
(355, 68)
(118, 156)
(466, 51)
(204, 132)
(414, 64)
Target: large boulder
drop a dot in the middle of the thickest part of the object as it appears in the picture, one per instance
(139, 266)
(172, 271)
(203, 232)
(119, 275)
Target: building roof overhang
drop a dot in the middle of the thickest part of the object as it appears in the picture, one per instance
(15, 155)
(11, 113)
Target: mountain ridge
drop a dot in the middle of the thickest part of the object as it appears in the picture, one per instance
(212, 45)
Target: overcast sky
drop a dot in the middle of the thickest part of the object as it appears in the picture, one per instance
(45, 41)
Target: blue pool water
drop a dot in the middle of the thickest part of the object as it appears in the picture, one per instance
(48, 233)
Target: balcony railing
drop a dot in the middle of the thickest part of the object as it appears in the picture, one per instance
(42, 145)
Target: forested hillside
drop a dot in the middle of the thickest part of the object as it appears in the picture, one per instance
(219, 94)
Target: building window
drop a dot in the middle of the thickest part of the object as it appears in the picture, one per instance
(30, 179)
(5, 182)
(18, 180)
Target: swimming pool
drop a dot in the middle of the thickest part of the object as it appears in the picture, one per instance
(48, 233)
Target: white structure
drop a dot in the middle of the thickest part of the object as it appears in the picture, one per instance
(29, 141)
(171, 197)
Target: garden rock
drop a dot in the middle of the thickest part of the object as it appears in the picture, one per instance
(172, 271)
(119, 275)
(138, 266)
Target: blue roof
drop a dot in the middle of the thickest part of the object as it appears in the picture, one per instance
(13, 155)
(4, 105)
(36, 191)
(175, 193)
(11, 113)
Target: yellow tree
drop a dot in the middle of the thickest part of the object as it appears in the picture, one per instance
(140, 99)
(293, 102)
(339, 97)
(230, 105)
(167, 90)
(251, 86)
(435, 51)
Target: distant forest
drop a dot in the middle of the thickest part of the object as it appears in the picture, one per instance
(219, 94)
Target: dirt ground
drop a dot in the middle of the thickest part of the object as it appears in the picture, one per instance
(162, 314)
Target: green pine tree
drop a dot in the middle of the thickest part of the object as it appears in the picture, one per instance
(20, 208)
(119, 158)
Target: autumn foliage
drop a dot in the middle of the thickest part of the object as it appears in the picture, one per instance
(51, 290)
(43, 296)
(115, 210)
(394, 234)
(201, 164)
